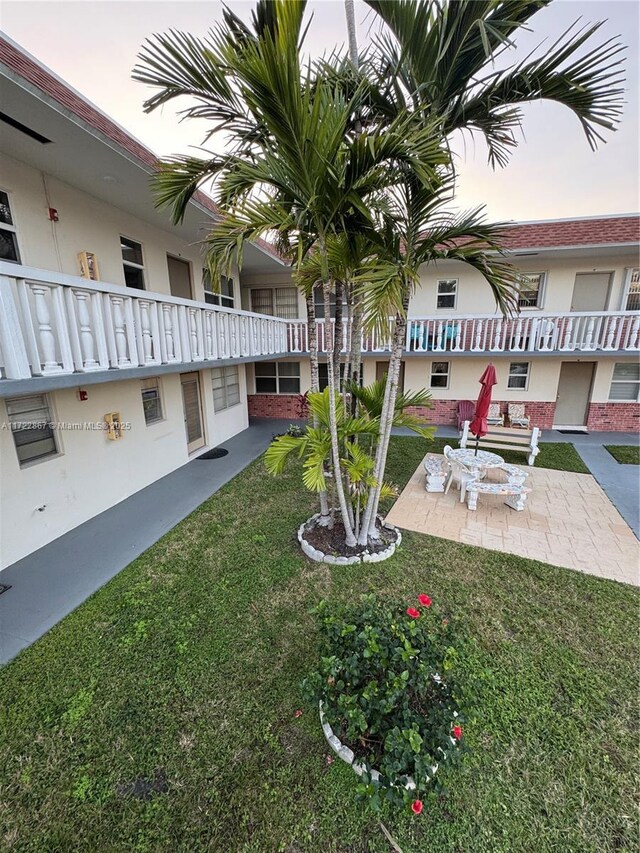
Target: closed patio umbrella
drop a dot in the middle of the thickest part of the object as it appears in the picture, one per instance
(478, 425)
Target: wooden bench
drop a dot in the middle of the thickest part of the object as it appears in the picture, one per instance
(516, 493)
(504, 438)
(437, 471)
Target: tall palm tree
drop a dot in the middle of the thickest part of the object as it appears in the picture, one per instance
(434, 59)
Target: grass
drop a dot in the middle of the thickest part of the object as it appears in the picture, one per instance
(559, 455)
(184, 670)
(625, 454)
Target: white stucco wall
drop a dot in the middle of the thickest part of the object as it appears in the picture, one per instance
(88, 224)
(474, 295)
(92, 473)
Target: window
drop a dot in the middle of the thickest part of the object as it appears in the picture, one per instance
(277, 377)
(323, 375)
(8, 238)
(132, 262)
(625, 384)
(276, 302)
(531, 290)
(318, 301)
(518, 375)
(439, 374)
(632, 302)
(447, 292)
(151, 401)
(33, 434)
(226, 387)
(224, 297)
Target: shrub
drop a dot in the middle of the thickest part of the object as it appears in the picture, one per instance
(388, 686)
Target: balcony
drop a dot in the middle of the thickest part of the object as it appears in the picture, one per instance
(53, 325)
(606, 332)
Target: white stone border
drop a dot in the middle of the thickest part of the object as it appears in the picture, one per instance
(347, 755)
(366, 557)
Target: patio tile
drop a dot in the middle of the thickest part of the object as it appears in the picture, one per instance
(568, 521)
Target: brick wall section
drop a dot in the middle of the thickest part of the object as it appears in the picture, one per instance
(614, 417)
(603, 417)
(274, 406)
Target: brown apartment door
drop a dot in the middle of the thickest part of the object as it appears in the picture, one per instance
(574, 390)
(179, 277)
(591, 291)
(192, 410)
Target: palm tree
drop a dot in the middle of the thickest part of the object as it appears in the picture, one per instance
(434, 59)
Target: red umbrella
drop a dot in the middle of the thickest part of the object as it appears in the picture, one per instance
(478, 425)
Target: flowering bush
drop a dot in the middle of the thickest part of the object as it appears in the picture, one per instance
(389, 690)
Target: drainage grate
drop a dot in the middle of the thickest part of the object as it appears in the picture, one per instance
(4, 587)
(573, 431)
(216, 453)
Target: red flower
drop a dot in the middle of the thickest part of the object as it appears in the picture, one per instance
(416, 806)
(298, 713)
(411, 611)
(424, 600)
(457, 732)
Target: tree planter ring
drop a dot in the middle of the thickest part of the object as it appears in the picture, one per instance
(347, 755)
(364, 557)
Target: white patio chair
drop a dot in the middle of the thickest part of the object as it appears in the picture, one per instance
(494, 416)
(517, 416)
(459, 473)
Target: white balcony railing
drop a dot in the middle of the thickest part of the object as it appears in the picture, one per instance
(52, 324)
(607, 331)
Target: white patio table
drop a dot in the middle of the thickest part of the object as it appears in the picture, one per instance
(480, 461)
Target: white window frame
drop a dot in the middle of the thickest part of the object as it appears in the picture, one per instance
(277, 377)
(629, 274)
(156, 382)
(432, 375)
(224, 373)
(221, 299)
(541, 291)
(132, 264)
(46, 404)
(455, 283)
(623, 382)
(4, 226)
(273, 312)
(519, 376)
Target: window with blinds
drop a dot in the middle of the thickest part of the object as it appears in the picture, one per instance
(625, 383)
(226, 387)
(31, 425)
(151, 401)
(275, 301)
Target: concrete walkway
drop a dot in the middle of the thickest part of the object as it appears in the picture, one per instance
(54, 580)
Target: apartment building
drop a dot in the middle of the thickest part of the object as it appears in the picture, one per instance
(118, 364)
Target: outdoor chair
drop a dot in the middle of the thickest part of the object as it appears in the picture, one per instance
(466, 411)
(459, 473)
(517, 416)
(494, 416)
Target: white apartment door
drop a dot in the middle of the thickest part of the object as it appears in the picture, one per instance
(591, 291)
(574, 391)
(192, 410)
(179, 277)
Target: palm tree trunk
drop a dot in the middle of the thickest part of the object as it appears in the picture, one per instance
(350, 539)
(326, 519)
(351, 31)
(338, 335)
(369, 528)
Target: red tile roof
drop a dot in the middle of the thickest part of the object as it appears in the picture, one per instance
(531, 235)
(614, 230)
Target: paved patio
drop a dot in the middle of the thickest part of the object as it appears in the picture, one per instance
(568, 521)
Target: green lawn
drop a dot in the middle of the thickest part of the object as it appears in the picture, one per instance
(184, 670)
(560, 455)
(625, 454)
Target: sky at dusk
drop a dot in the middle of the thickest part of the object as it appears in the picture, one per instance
(553, 173)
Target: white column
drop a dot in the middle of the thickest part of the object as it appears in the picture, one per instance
(16, 360)
(46, 338)
(120, 331)
(87, 342)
